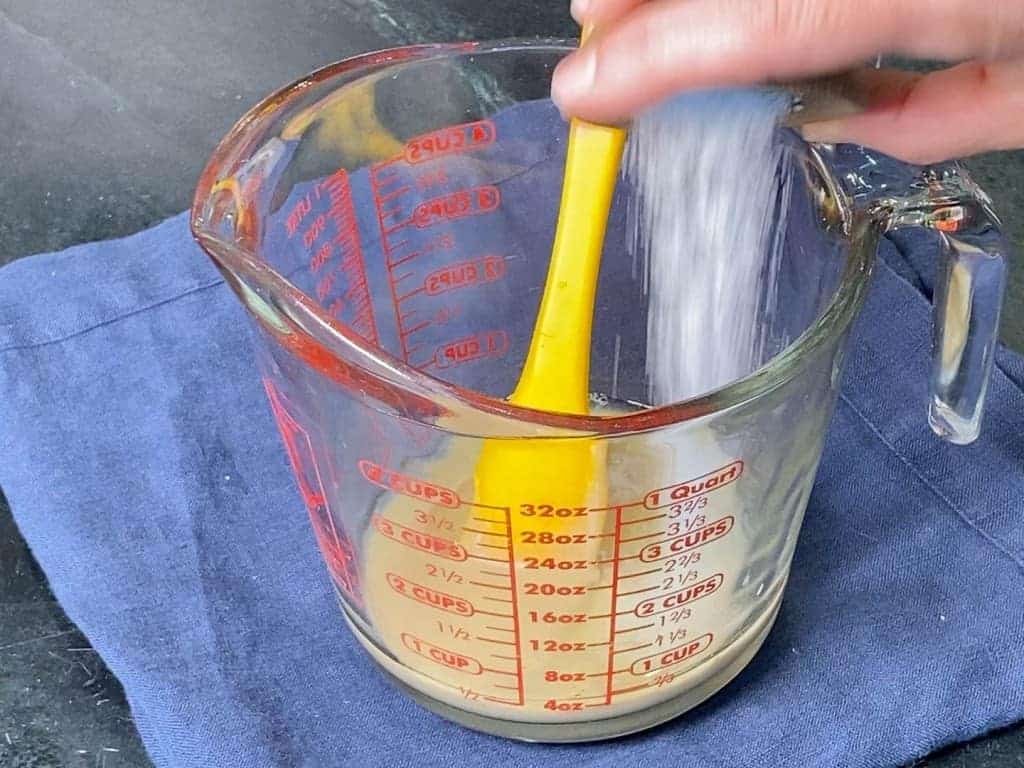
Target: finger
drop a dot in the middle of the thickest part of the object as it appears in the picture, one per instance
(601, 11)
(924, 119)
(671, 45)
(663, 47)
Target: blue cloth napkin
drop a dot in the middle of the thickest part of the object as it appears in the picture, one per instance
(143, 466)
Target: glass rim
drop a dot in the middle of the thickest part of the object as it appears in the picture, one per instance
(398, 375)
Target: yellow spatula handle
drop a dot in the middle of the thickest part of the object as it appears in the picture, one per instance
(556, 373)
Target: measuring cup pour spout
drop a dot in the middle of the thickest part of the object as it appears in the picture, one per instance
(970, 283)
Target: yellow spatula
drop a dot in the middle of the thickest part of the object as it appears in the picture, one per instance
(555, 377)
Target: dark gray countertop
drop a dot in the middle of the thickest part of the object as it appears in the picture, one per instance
(108, 111)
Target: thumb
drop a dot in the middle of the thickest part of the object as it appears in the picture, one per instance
(924, 119)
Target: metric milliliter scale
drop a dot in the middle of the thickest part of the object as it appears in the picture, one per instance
(388, 223)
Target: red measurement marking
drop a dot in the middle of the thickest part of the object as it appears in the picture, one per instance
(459, 633)
(431, 179)
(336, 307)
(325, 286)
(390, 178)
(645, 536)
(447, 141)
(635, 629)
(497, 700)
(408, 295)
(352, 262)
(487, 506)
(515, 603)
(442, 656)
(485, 585)
(396, 193)
(499, 671)
(497, 599)
(643, 519)
(415, 329)
(407, 485)
(677, 599)
(391, 218)
(401, 278)
(615, 672)
(609, 560)
(614, 600)
(315, 230)
(495, 573)
(443, 242)
(559, 705)
(337, 549)
(640, 573)
(299, 448)
(344, 244)
(488, 559)
(712, 481)
(546, 537)
(549, 589)
(432, 597)
(377, 181)
(557, 646)
(486, 269)
(672, 656)
(320, 258)
(399, 262)
(424, 542)
(691, 540)
(479, 346)
(549, 510)
(457, 205)
(298, 212)
(617, 506)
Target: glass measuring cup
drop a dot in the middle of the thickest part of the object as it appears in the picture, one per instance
(387, 221)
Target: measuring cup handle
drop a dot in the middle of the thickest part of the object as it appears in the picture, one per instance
(968, 296)
(971, 281)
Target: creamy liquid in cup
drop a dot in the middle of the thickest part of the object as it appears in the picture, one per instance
(587, 615)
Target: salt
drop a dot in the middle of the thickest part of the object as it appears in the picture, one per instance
(708, 200)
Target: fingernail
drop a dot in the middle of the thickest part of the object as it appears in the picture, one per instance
(573, 77)
(824, 132)
(578, 9)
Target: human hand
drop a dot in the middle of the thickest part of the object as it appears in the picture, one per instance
(642, 52)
